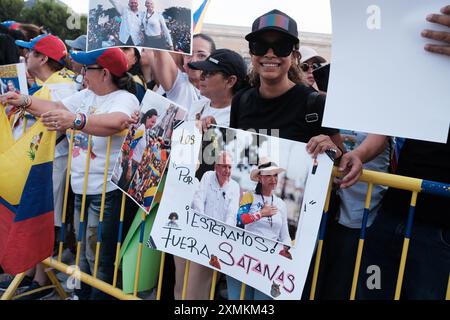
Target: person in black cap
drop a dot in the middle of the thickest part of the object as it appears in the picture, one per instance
(79, 44)
(278, 99)
(223, 75)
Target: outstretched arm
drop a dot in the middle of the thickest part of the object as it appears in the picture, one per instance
(167, 70)
(118, 6)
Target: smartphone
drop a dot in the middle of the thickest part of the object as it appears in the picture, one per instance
(321, 75)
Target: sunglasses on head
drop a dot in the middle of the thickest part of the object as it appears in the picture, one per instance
(306, 66)
(281, 48)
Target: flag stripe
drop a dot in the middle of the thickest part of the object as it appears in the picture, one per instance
(33, 235)
(7, 205)
(37, 196)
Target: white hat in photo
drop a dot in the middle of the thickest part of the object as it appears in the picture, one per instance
(265, 168)
(309, 53)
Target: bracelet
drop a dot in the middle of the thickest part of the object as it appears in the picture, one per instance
(80, 121)
(26, 102)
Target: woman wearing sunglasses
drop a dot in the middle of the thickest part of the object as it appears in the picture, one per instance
(310, 61)
(279, 101)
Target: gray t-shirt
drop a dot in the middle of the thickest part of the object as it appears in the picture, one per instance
(353, 199)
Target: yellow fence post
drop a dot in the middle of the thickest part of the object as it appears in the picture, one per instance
(401, 272)
(312, 293)
(361, 242)
(66, 195)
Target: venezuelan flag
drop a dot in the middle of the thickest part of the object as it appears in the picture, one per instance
(244, 208)
(6, 137)
(26, 198)
(199, 15)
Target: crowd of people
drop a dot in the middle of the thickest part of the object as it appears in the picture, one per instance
(213, 85)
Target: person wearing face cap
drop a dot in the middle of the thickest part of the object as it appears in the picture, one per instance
(223, 75)
(46, 61)
(104, 109)
(309, 61)
(278, 100)
(79, 44)
(263, 213)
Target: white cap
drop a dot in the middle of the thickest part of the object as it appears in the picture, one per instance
(309, 53)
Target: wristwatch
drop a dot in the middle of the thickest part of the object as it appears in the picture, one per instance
(78, 121)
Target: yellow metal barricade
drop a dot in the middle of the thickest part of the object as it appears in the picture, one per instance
(371, 178)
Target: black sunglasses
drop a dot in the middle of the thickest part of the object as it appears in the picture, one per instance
(281, 48)
(86, 67)
(305, 66)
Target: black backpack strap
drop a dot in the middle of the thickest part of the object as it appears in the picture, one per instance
(311, 114)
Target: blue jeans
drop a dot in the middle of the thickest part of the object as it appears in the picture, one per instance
(427, 265)
(234, 291)
(89, 238)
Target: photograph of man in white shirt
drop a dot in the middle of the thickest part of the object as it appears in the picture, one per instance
(218, 195)
(130, 33)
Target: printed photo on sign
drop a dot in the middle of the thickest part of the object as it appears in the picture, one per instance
(252, 181)
(13, 79)
(154, 24)
(212, 212)
(146, 149)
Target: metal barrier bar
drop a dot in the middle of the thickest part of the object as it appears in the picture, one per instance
(213, 285)
(323, 225)
(66, 196)
(139, 256)
(59, 289)
(160, 278)
(102, 208)
(83, 203)
(89, 280)
(119, 241)
(9, 293)
(243, 287)
(401, 272)
(447, 297)
(361, 242)
(186, 279)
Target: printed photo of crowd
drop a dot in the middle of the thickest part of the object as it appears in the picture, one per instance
(146, 149)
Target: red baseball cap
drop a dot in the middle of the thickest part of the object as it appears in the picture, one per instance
(47, 44)
(112, 59)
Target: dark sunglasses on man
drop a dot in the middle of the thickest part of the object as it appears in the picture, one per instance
(281, 48)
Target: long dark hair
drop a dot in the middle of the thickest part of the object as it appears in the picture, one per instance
(125, 82)
(9, 53)
(258, 189)
(136, 69)
(207, 38)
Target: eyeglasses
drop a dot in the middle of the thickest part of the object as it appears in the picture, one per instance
(306, 66)
(280, 48)
(207, 74)
(85, 68)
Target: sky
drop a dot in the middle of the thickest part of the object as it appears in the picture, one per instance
(311, 15)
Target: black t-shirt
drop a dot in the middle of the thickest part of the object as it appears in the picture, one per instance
(428, 161)
(286, 113)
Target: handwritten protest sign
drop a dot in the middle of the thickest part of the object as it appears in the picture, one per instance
(264, 238)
